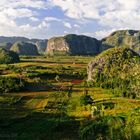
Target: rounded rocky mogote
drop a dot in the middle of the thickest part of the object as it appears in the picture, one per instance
(8, 57)
(25, 48)
(117, 69)
(111, 61)
(74, 45)
(128, 38)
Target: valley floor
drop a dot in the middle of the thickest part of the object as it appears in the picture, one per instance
(50, 108)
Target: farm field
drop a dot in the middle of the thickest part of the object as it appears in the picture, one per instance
(50, 106)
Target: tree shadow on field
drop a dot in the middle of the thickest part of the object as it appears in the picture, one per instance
(40, 126)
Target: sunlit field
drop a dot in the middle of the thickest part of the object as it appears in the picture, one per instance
(50, 105)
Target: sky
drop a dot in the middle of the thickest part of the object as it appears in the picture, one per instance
(48, 18)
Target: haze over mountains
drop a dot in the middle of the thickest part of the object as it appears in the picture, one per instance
(79, 44)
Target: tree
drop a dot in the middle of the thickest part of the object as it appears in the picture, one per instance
(86, 99)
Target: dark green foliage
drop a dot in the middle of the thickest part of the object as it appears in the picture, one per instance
(24, 48)
(93, 130)
(73, 45)
(121, 127)
(117, 69)
(14, 69)
(86, 99)
(11, 84)
(7, 57)
(5, 45)
(82, 45)
(57, 53)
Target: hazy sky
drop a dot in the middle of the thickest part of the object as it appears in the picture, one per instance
(47, 18)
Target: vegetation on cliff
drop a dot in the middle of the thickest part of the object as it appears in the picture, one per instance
(118, 69)
(74, 45)
(128, 38)
(7, 57)
(24, 48)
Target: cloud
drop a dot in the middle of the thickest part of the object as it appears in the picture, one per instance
(77, 9)
(122, 18)
(67, 25)
(76, 26)
(107, 13)
(17, 18)
(17, 13)
(38, 4)
(103, 33)
(34, 19)
(43, 24)
(27, 30)
(43, 18)
(50, 19)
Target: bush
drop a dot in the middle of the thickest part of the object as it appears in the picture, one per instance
(11, 84)
(86, 99)
(120, 127)
(7, 57)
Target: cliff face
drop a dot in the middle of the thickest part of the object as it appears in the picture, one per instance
(24, 48)
(74, 44)
(41, 45)
(128, 38)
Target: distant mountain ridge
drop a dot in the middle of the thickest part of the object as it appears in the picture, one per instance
(127, 38)
(80, 44)
(40, 43)
(85, 45)
(14, 39)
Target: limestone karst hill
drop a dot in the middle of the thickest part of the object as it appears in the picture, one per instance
(6, 41)
(74, 45)
(128, 38)
(116, 68)
(25, 48)
(79, 44)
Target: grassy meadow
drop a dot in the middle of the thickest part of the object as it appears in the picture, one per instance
(50, 107)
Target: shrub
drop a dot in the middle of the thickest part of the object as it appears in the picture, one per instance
(7, 57)
(86, 99)
(11, 84)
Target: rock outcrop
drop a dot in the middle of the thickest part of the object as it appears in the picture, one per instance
(41, 45)
(24, 48)
(7, 57)
(74, 45)
(117, 67)
(128, 38)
